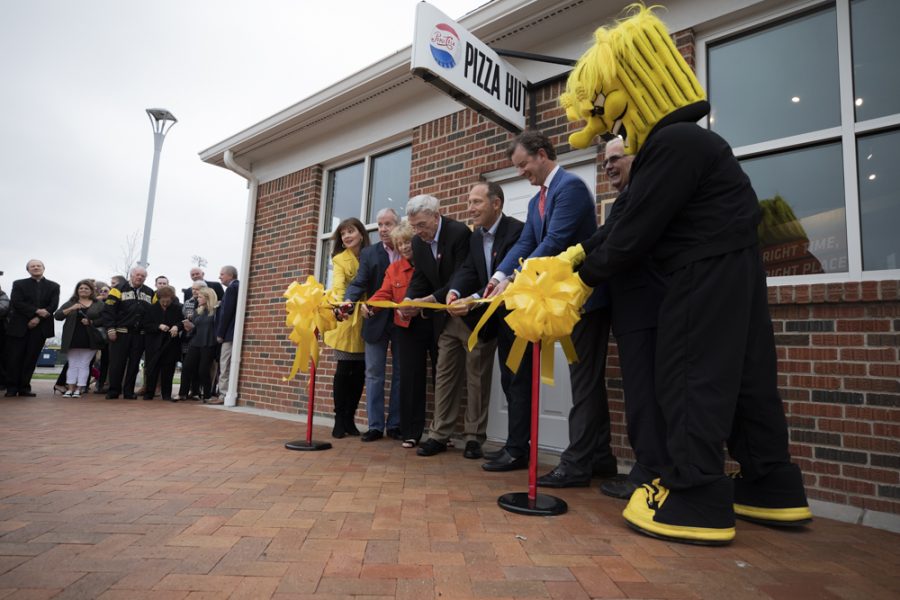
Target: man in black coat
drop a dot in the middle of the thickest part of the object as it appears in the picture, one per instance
(197, 274)
(378, 330)
(441, 246)
(32, 304)
(636, 295)
(494, 235)
(125, 319)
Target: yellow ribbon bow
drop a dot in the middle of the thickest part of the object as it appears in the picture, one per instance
(544, 301)
(309, 310)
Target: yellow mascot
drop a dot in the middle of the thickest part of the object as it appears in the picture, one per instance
(692, 210)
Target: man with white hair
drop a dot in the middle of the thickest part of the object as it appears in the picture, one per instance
(123, 316)
(225, 318)
(440, 248)
(197, 274)
(378, 332)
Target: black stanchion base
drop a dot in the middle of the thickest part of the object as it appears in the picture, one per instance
(543, 505)
(304, 445)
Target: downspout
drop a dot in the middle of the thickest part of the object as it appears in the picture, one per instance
(243, 288)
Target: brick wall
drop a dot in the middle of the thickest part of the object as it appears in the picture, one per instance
(839, 368)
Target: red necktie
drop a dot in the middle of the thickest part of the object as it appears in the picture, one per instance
(542, 202)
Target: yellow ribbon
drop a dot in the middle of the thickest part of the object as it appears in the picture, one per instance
(308, 310)
(544, 301)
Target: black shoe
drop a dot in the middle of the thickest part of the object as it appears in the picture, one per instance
(561, 478)
(130, 397)
(27, 394)
(506, 462)
(494, 454)
(148, 397)
(110, 396)
(350, 426)
(11, 394)
(371, 435)
(394, 433)
(431, 447)
(605, 469)
(618, 488)
(473, 450)
(338, 432)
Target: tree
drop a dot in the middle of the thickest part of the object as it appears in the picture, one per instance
(129, 253)
(199, 261)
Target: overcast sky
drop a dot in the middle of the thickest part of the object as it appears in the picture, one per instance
(77, 146)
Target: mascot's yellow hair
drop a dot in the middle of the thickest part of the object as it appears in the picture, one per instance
(628, 80)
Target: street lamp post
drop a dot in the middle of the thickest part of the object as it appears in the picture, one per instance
(162, 121)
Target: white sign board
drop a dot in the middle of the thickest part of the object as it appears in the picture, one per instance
(452, 59)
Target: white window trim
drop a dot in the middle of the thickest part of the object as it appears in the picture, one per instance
(365, 156)
(847, 132)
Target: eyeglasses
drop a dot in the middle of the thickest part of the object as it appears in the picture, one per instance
(611, 160)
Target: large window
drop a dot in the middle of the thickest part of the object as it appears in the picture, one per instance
(361, 189)
(809, 102)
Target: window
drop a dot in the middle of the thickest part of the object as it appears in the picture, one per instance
(361, 189)
(808, 102)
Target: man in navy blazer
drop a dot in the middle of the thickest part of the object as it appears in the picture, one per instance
(494, 235)
(563, 212)
(32, 304)
(225, 317)
(378, 330)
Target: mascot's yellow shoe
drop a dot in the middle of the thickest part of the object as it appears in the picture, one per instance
(698, 516)
(776, 499)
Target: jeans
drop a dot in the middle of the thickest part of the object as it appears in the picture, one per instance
(376, 364)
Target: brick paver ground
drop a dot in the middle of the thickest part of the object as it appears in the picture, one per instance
(132, 499)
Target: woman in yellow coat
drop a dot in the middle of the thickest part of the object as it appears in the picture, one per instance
(349, 349)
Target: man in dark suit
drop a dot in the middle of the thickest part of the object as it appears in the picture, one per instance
(32, 304)
(124, 318)
(226, 313)
(636, 295)
(495, 233)
(561, 213)
(441, 246)
(197, 274)
(378, 330)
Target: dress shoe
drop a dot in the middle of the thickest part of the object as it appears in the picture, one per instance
(562, 478)
(494, 454)
(473, 450)
(394, 433)
(27, 394)
(431, 447)
(112, 396)
(11, 394)
(371, 435)
(130, 397)
(506, 462)
(620, 487)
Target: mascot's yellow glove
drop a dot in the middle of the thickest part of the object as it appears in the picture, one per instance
(574, 255)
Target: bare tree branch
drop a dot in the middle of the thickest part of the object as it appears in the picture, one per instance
(129, 254)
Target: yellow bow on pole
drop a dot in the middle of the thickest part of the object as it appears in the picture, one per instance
(309, 311)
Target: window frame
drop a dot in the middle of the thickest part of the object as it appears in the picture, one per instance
(848, 132)
(367, 157)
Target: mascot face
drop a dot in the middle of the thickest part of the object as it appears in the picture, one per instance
(627, 81)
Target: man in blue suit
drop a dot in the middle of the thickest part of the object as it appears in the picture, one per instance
(225, 318)
(378, 330)
(563, 212)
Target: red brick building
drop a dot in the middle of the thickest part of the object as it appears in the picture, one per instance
(800, 90)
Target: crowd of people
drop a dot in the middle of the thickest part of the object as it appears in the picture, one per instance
(113, 331)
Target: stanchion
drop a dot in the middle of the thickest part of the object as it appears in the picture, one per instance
(530, 502)
(308, 443)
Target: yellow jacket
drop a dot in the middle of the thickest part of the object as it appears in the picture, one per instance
(345, 336)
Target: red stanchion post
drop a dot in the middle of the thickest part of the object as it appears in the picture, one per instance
(308, 443)
(530, 502)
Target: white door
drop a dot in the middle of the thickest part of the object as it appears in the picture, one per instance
(556, 400)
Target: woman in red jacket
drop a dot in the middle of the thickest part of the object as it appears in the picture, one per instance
(415, 339)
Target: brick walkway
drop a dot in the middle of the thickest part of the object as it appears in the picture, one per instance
(131, 500)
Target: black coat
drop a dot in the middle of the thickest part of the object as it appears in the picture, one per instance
(432, 274)
(688, 200)
(27, 296)
(473, 275)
